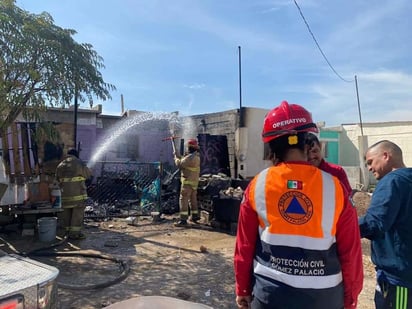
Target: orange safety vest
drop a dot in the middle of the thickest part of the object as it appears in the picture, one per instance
(298, 207)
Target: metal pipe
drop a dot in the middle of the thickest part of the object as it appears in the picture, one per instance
(241, 124)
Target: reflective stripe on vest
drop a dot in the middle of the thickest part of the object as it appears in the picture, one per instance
(321, 240)
(301, 282)
(73, 179)
(301, 241)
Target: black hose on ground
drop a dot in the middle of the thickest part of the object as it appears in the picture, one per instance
(44, 251)
(51, 246)
(124, 266)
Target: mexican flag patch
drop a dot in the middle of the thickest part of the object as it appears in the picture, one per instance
(295, 184)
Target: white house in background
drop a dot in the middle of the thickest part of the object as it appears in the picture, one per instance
(398, 132)
(354, 140)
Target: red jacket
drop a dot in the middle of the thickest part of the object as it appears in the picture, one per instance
(339, 172)
(347, 241)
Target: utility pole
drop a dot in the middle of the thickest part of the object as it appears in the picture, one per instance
(241, 120)
(359, 108)
(241, 124)
(363, 143)
(75, 118)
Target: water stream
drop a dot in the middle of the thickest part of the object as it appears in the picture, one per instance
(182, 128)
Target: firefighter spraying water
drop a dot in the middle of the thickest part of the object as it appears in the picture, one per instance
(189, 165)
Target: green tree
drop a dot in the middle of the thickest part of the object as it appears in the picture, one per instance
(42, 65)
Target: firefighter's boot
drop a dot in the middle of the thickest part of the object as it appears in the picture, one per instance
(195, 218)
(181, 223)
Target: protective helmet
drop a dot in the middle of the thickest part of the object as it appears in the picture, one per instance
(287, 119)
(192, 143)
(73, 152)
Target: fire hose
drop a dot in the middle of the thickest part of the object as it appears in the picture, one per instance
(45, 252)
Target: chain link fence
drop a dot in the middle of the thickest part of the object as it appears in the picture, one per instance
(131, 189)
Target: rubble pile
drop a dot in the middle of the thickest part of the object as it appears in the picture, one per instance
(209, 188)
(219, 199)
(236, 193)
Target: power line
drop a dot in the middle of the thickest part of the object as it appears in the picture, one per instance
(317, 44)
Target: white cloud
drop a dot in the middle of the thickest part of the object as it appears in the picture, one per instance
(195, 86)
(383, 96)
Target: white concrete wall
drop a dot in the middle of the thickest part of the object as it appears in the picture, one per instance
(354, 176)
(398, 132)
(253, 147)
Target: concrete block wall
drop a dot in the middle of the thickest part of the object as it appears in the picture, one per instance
(223, 123)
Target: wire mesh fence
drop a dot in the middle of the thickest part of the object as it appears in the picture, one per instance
(128, 188)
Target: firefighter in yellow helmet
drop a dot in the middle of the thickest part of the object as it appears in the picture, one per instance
(72, 173)
(189, 166)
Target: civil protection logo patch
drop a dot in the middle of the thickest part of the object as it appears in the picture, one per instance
(295, 207)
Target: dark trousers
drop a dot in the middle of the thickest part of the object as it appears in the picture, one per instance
(392, 296)
(257, 304)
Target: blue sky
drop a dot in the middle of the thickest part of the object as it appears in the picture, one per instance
(182, 55)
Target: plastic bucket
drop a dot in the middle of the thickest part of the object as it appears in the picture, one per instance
(56, 198)
(47, 228)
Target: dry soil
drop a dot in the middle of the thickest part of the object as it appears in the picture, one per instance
(162, 259)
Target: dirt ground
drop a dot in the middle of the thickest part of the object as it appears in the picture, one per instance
(161, 259)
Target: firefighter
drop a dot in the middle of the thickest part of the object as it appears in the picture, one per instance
(71, 174)
(297, 243)
(189, 166)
